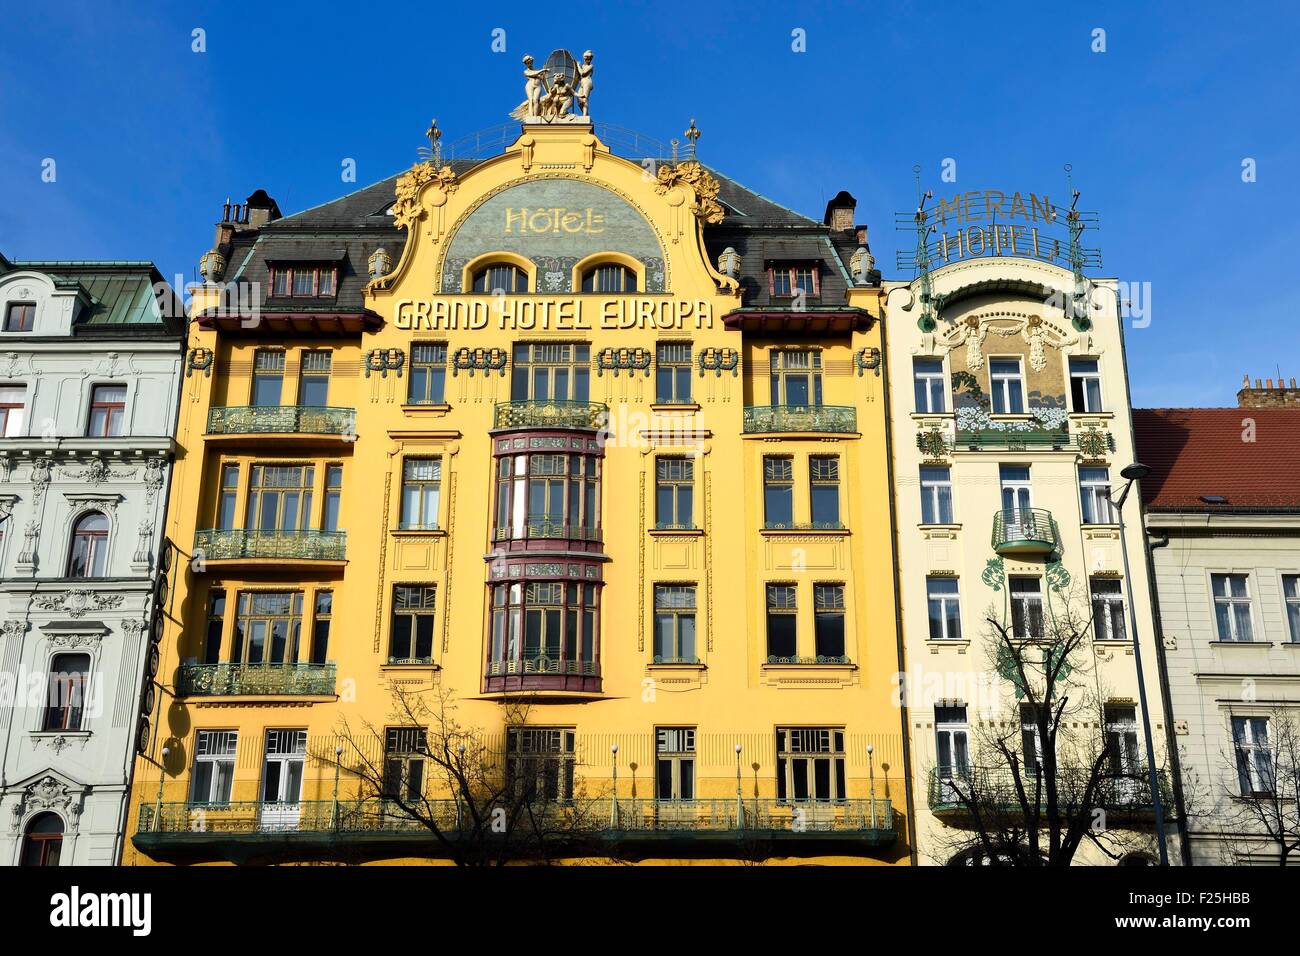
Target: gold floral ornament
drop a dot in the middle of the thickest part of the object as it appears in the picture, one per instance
(692, 174)
(407, 210)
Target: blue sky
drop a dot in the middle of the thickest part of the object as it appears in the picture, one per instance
(150, 137)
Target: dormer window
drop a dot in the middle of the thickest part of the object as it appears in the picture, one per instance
(304, 280)
(787, 279)
(20, 316)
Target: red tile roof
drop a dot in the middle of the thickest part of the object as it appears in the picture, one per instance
(1209, 451)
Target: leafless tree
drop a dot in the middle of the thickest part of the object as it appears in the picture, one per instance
(1040, 785)
(1263, 808)
(480, 805)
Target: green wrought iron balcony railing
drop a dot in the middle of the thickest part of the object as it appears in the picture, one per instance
(281, 420)
(800, 418)
(239, 543)
(819, 659)
(548, 414)
(868, 820)
(1119, 794)
(1024, 531)
(1091, 443)
(256, 680)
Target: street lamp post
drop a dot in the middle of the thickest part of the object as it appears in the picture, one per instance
(338, 758)
(613, 799)
(1136, 472)
(871, 770)
(740, 800)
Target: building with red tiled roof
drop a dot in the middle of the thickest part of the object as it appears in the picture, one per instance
(1223, 519)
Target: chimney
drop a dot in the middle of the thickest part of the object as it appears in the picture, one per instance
(1267, 395)
(839, 212)
(259, 209)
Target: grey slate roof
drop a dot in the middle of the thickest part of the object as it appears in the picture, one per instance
(117, 296)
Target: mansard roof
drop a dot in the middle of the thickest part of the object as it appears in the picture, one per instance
(123, 296)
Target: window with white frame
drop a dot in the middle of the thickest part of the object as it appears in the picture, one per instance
(1094, 496)
(828, 623)
(1027, 608)
(214, 766)
(796, 377)
(1291, 597)
(675, 763)
(13, 402)
(674, 624)
(1031, 738)
(1085, 385)
(1254, 756)
(1107, 609)
(1122, 754)
(65, 705)
(1232, 606)
(945, 608)
(952, 742)
(405, 749)
(936, 496)
(810, 764)
(540, 762)
(421, 488)
(1007, 385)
(927, 379)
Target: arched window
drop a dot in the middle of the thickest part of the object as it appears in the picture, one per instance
(89, 547)
(43, 841)
(500, 277)
(610, 277)
(69, 677)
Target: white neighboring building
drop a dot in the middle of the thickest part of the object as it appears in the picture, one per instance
(90, 360)
(1223, 515)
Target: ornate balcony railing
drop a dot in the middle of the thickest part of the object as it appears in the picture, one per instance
(541, 526)
(666, 659)
(870, 820)
(255, 680)
(1024, 531)
(803, 526)
(546, 414)
(801, 418)
(226, 545)
(1091, 443)
(819, 659)
(281, 420)
(541, 664)
(994, 787)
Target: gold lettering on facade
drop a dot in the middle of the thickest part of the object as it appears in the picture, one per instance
(556, 315)
(526, 221)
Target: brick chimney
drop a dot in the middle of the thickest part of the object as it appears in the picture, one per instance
(1266, 394)
(839, 212)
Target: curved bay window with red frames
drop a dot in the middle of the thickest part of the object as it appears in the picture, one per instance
(544, 635)
(547, 494)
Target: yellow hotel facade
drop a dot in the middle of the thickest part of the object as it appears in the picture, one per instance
(551, 485)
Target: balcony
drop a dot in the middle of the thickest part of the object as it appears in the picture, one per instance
(281, 420)
(256, 680)
(548, 414)
(1024, 531)
(773, 419)
(546, 528)
(1092, 444)
(539, 672)
(819, 659)
(241, 831)
(1124, 796)
(248, 545)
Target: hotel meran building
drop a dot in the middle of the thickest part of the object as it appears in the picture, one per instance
(562, 499)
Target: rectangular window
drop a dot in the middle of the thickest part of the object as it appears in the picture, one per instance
(828, 623)
(1232, 606)
(787, 279)
(796, 377)
(69, 680)
(1254, 756)
(674, 493)
(675, 624)
(428, 379)
(824, 490)
(421, 488)
(952, 747)
(214, 766)
(540, 762)
(945, 608)
(1291, 596)
(927, 378)
(320, 627)
(268, 376)
(545, 627)
(675, 763)
(268, 627)
(673, 373)
(551, 373)
(229, 497)
(280, 497)
(936, 496)
(782, 617)
(413, 618)
(404, 751)
(13, 402)
(215, 624)
(1031, 739)
(20, 316)
(1094, 496)
(304, 280)
(314, 379)
(1122, 755)
(1027, 608)
(778, 492)
(107, 411)
(333, 497)
(1008, 386)
(1085, 385)
(1108, 610)
(810, 764)
(282, 766)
